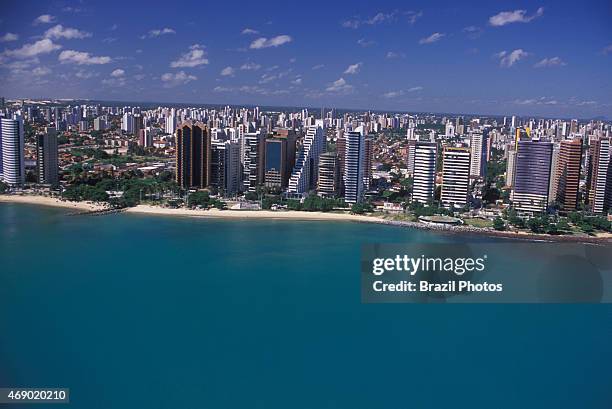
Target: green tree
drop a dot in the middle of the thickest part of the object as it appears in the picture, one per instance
(498, 224)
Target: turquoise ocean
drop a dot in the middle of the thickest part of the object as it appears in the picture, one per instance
(135, 311)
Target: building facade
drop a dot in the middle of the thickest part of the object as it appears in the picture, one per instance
(532, 176)
(567, 174)
(424, 179)
(193, 155)
(46, 157)
(304, 175)
(13, 162)
(328, 184)
(354, 162)
(455, 177)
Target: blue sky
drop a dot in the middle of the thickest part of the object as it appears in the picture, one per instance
(525, 58)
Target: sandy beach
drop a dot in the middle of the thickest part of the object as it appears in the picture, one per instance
(50, 201)
(600, 237)
(251, 214)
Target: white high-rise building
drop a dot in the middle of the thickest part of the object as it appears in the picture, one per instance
(450, 129)
(424, 181)
(13, 162)
(510, 167)
(171, 122)
(127, 123)
(455, 177)
(354, 161)
(478, 153)
(305, 171)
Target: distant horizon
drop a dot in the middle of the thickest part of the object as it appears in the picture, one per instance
(311, 108)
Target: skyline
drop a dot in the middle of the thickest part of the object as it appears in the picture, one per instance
(523, 59)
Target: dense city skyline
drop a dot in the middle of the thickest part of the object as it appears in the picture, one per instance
(507, 58)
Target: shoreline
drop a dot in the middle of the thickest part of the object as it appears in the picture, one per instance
(52, 202)
(600, 238)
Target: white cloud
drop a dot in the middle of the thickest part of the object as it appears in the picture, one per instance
(9, 37)
(249, 31)
(318, 66)
(117, 73)
(607, 50)
(297, 81)
(251, 89)
(194, 57)
(353, 68)
(339, 85)
(381, 17)
(43, 46)
(508, 59)
(227, 71)
(516, 16)
(354, 23)
(81, 58)
(550, 62)
(413, 16)
(21, 66)
(401, 92)
(158, 32)
(536, 101)
(472, 31)
(265, 78)
(86, 74)
(250, 66)
(432, 38)
(44, 19)
(393, 94)
(41, 71)
(119, 81)
(393, 54)
(264, 42)
(59, 31)
(365, 43)
(179, 78)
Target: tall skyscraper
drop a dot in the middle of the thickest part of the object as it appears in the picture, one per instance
(329, 175)
(510, 166)
(253, 160)
(127, 123)
(424, 181)
(455, 176)
(225, 166)
(553, 185)
(354, 162)
(193, 151)
(145, 137)
(478, 153)
(600, 188)
(410, 152)
(532, 176)
(13, 163)
(568, 174)
(46, 158)
(368, 159)
(304, 175)
(275, 163)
